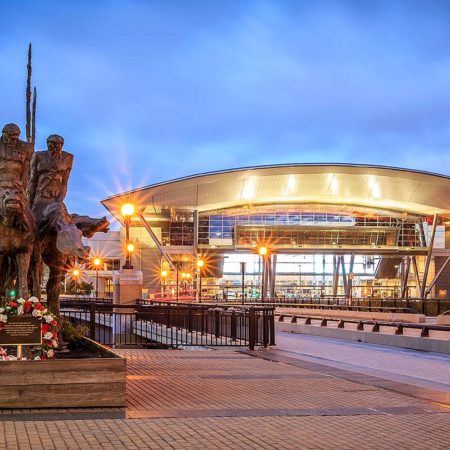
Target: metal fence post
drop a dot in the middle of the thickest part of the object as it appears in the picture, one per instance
(189, 311)
(272, 327)
(233, 326)
(265, 325)
(92, 322)
(217, 323)
(251, 328)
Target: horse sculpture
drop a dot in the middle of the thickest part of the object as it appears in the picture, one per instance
(17, 234)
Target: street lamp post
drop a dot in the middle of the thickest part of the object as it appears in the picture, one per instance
(200, 264)
(183, 283)
(242, 282)
(299, 281)
(163, 284)
(127, 211)
(97, 263)
(188, 285)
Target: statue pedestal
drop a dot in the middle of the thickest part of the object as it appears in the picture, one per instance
(127, 286)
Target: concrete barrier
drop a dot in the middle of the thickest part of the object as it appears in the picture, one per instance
(359, 315)
(411, 342)
(443, 320)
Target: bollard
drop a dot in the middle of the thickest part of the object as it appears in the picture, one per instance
(425, 332)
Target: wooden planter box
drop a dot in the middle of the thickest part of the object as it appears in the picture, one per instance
(63, 383)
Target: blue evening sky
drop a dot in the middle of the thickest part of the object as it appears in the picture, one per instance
(145, 91)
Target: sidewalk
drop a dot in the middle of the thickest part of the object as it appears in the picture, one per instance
(227, 399)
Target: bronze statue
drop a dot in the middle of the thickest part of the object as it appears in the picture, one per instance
(59, 238)
(17, 225)
(35, 226)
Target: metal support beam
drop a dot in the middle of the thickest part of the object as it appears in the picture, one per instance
(195, 244)
(427, 292)
(344, 275)
(405, 275)
(273, 273)
(416, 275)
(155, 239)
(423, 241)
(428, 260)
(336, 262)
(350, 277)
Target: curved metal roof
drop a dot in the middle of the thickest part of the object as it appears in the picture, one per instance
(375, 187)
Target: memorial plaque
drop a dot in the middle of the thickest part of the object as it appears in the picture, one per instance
(21, 330)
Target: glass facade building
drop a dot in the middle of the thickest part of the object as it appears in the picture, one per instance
(326, 226)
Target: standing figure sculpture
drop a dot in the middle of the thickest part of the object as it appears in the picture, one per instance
(59, 239)
(50, 171)
(17, 225)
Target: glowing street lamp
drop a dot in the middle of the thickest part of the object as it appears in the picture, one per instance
(97, 262)
(127, 210)
(75, 275)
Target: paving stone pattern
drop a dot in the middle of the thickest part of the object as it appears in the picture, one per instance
(227, 399)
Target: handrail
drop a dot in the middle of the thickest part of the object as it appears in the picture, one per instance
(426, 328)
(347, 307)
(163, 303)
(430, 306)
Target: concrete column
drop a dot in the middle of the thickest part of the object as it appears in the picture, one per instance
(127, 286)
(273, 274)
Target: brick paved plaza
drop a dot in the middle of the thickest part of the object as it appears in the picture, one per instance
(227, 399)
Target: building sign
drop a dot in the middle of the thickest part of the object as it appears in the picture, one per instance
(21, 330)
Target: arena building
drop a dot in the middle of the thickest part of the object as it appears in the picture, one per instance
(300, 230)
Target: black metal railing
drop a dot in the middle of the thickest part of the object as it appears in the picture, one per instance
(429, 307)
(145, 325)
(339, 307)
(361, 308)
(86, 298)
